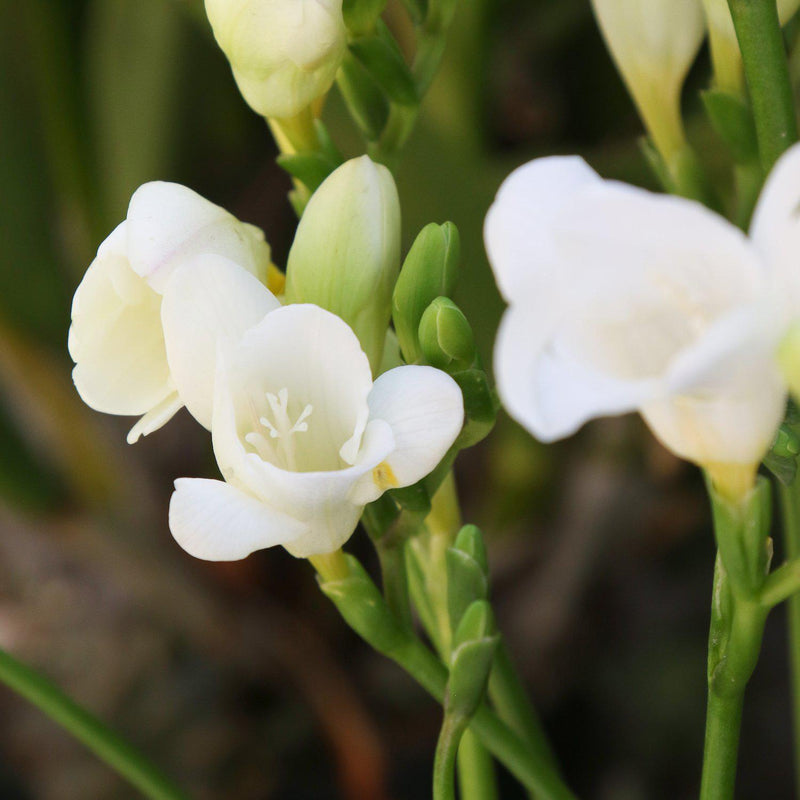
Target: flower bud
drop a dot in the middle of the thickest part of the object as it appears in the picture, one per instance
(789, 359)
(474, 646)
(284, 53)
(446, 337)
(346, 254)
(429, 271)
(467, 573)
(653, 43)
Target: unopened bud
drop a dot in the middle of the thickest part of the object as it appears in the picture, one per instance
(445, 336)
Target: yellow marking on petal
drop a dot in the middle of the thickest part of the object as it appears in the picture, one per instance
(384, 477)
(276, 280)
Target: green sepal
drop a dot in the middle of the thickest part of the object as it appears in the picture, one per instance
(310, 169)
(387, 68)
(360, 16)
(364, 609)
(732, 120)
(467, 573)
(365, 101)
(474, 645)
(480, 407)
(445, 337)
(430, 270)
(781, 458)
(415, 498)
(742, 532)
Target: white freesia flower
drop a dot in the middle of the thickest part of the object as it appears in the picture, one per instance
(305, 439)
(623, 300)
(653, 43)
(173, 246)
(284, 53)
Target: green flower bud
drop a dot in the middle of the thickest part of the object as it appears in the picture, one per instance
(284, 53)
(346, 253)
(429, 271)
(474, 645)
(467, 573)
(445, 336)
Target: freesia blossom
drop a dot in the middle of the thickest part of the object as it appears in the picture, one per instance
(623, 300)
(284, 53)
(175, 250)
(653, 43)
(304, 439)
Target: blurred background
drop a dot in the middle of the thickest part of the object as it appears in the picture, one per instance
(239, 680)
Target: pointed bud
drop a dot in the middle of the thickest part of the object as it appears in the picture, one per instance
(429, 271)
(284, 53)
(474, 645)
(445, 336)
(346, 253)
(653, 44)
(467, 573)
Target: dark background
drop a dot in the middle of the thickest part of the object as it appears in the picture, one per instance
(240, 680)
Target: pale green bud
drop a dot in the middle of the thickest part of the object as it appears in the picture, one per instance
(284, 53)
(653, 43)
(472, 654)
(346, 253)
(429, 271)
(789, 359)
(467, 573)
(445, 336)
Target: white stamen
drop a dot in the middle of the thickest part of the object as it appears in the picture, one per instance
(280, 427)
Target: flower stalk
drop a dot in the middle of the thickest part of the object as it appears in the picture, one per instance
(767, 73)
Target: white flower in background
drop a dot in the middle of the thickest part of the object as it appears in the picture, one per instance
(623, 300)
(346, 254)
(148, 268)
(653, 43)
(284, 53)
(305, 439)
(724, 45)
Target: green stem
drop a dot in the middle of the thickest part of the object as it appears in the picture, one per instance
(767, 73)
(104, 743)
(723, 722)
(444, 762)
(790, 505)
(476, 774)
(530, 769)
(737, 628)
(395, 579)
(514, 707)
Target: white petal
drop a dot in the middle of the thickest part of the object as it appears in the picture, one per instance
(156, 417)
(168, 223)
(775, 229)
(209, 302)
(118, 345)
(544, 388)
(217, 522)
(425, 411)
(318, 359)
(517, 231)
(330, 503)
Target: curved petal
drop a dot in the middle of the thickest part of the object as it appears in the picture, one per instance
(168, 223)
(517, 231)
(156, 417)
(117, 342)
(318, 360)
(329, 503)
(425, 410)
(543, 386)
(209, 303)
(217, 522)
(775, 229)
